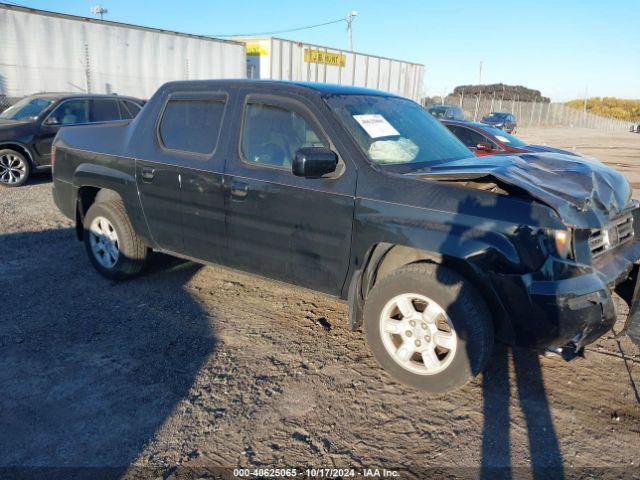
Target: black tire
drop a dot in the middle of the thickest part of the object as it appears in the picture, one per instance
(132, 256)
(18, 161)
(464, 306)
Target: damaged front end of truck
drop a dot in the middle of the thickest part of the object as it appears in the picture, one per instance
(602, 254)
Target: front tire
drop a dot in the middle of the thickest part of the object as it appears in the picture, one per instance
(428, 327)
(14, 168)
(114, 249)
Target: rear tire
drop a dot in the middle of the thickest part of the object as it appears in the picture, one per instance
(14, 168)
(428, 327)
(114, 249)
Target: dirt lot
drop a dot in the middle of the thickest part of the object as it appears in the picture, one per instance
(194, 366)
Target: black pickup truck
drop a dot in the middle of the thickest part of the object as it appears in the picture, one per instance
(361, 195)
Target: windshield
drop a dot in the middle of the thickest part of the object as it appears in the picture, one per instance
(26, 108)
(504, 137)
(496, 116)
(437, 112)
(393, 131)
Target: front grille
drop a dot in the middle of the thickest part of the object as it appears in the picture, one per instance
(611, 235)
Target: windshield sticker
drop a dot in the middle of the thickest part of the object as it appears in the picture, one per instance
(502, 139)
(376, 125)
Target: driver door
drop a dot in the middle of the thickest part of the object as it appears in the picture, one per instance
(280, 225)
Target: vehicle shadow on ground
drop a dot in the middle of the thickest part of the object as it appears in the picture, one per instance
(90, 369)
(38, 178)
(544, 451)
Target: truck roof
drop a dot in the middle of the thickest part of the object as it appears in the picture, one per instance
(336, 89)
(324, 89)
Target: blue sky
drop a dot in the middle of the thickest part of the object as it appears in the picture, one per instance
(558, 47)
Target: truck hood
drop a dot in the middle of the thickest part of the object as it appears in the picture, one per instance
(584, 192)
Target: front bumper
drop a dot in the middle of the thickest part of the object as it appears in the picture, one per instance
(576, 308)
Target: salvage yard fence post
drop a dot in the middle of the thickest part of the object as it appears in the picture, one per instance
(536, 113)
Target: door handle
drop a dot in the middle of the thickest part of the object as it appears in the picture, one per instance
(239, 190)
(148, 173)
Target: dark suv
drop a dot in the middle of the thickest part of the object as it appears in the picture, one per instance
(364, 196)
(502, 120)
(28, 127)
(446, 112)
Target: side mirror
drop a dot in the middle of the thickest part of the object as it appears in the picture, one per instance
(51, 122)
(484, 147)
(314, 162)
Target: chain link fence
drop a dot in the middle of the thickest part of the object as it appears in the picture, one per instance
(6, 102)
(534, 113)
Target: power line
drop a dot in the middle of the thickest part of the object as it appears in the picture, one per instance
(275, 32)
(14, 4)
(281, 31)
(349, 19)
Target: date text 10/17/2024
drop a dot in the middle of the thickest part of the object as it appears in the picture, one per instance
(316, 472)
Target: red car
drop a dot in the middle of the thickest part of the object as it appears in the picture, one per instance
(484, 139)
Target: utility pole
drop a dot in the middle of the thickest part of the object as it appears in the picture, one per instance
(99, 10)
(480, 74)
(350, 17)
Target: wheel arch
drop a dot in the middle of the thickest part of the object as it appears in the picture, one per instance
(22, 149)
(115, 184)
(384, 258)
(87, 196)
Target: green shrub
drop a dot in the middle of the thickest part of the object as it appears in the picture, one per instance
(610, 107)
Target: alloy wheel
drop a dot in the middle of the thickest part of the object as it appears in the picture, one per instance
(418, 334)
(104, 242)
(12, 169)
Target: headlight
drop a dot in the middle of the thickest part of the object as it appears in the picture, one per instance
(561, 242)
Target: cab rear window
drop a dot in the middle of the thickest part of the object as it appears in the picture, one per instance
(192, 125)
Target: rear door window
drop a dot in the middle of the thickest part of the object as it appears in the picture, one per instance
(104, 110)
(128, 110)
(272, 134)
(192, 125)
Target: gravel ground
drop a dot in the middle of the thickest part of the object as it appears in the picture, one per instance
(192, 366)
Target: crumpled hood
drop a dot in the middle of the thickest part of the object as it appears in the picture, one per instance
(577, 188)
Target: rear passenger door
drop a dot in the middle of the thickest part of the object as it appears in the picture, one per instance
(181, 186)
(200, 116)
(279, 225)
